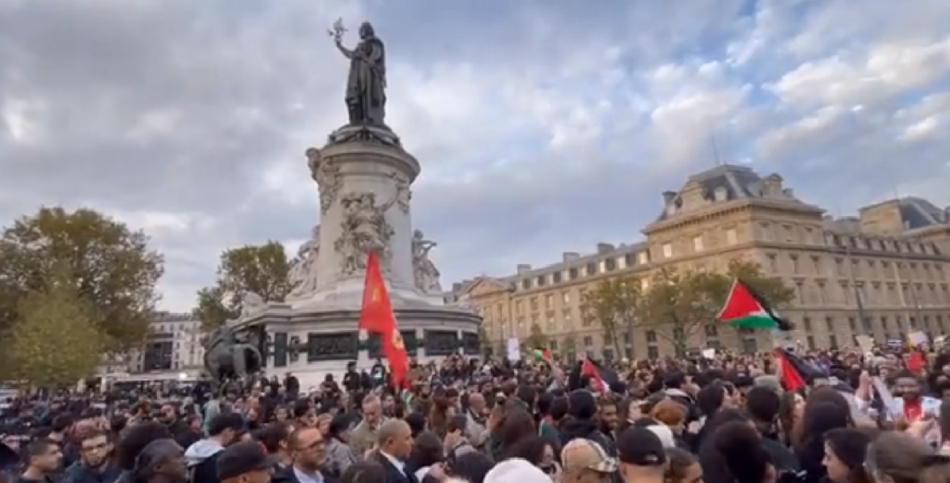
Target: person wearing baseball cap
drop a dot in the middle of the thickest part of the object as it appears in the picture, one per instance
(245, 462)
(642, 455)
(585, 461)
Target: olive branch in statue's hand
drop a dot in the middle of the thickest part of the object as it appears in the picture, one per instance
(337, 31)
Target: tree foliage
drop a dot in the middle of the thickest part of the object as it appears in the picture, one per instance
(115, 271)
(260, 269)
(678, 304)
(536, 338)
(612, 305)
(55, 342)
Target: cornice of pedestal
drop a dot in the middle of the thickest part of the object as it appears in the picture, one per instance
(367, 144)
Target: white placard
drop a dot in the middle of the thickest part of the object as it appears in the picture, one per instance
(514, 349)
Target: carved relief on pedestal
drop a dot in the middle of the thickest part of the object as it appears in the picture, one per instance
(403, 192)
(327, 175)
(364, 229)
(424, 272)
(303, 273)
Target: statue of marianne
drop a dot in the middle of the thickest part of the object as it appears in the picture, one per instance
(366, 84)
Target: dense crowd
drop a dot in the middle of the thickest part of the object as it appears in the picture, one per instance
(860, 418)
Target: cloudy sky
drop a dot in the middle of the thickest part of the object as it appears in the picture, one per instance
(541, 126)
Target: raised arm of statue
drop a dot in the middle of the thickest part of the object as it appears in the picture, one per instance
(343, 50)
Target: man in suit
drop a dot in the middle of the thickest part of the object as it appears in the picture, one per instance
(394, 445)
(308, 449)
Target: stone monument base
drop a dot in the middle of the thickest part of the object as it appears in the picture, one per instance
(312, 344)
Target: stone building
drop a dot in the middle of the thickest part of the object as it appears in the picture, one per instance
(893, 260)
(174, 345)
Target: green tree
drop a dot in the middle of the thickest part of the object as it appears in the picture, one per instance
(260, 269)
(55, 342)
(678, 304)
(612, 304)
(116, 272)
(773, 289)
(536, 338)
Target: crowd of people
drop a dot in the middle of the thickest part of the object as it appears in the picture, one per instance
(860, 418)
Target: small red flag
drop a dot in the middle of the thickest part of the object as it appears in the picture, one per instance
(792, 378)
(588, 368)
(377, 316)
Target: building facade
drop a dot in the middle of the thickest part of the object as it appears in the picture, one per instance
(174, 346)
(881, 273)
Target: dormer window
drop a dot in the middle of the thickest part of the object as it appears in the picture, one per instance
(721, 194)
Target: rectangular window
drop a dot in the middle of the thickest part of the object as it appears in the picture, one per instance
(698, 243)
(731, 237)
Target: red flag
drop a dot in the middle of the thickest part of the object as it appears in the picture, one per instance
(377, 316)
(792, 378)
(588, 368)
(915, 361)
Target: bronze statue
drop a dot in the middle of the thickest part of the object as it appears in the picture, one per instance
(229, 359)
(366, 84)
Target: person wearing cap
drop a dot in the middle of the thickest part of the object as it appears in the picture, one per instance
(642, 456)
(244, 462)
(223, 431)
(585, 461)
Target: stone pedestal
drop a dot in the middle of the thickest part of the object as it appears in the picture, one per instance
(364, 177)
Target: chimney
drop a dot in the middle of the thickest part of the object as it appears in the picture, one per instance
(523, 268)
(570, 256)
(668, 197)
(604, 248)
(772, 184)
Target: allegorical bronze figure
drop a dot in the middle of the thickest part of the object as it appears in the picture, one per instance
(366, 84)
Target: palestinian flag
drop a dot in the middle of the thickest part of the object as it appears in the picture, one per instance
(543, 355)
(601, 378)
(792, 368)
(747, 310)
